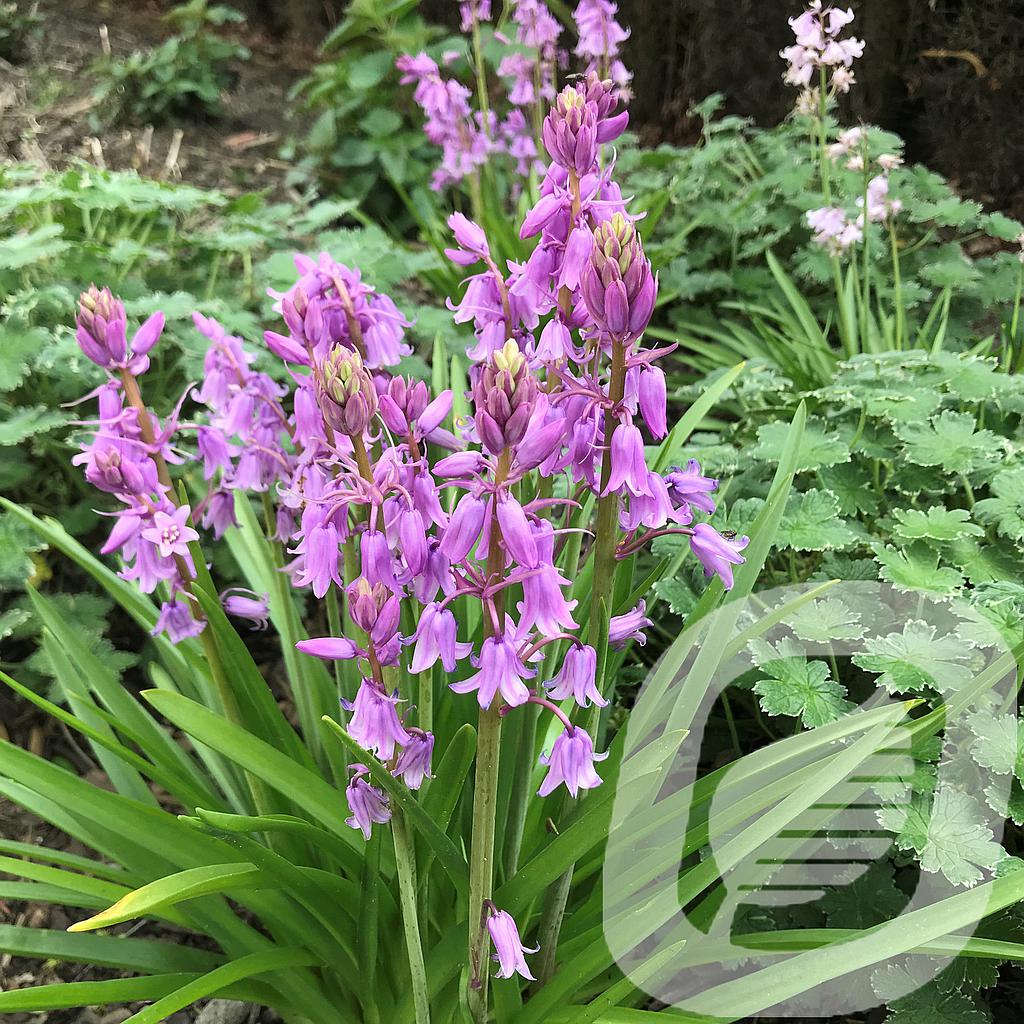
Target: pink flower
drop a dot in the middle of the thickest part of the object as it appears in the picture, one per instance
(716, 553)
(170, 533)
(500, 670)
(509, 948)
(368, 804)
(571, 761)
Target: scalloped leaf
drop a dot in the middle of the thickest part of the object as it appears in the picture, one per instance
(812, 522)
(1006, 508)
(950, 440)
(818, 448)
(916, 568)
(916, 660)
(796, 687)
(948, 834)
(937, 523)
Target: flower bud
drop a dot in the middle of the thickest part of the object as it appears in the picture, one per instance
(347, 397)
(102, 327)
(618, 287)
(504, 393)
(374, 609)
(603, 94)
(570, 131)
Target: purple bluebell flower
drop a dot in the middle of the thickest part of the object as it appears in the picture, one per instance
(576, 678)
(246, 604)
(571, 761)
(690, 487)
(651, 394)
(369, 806)
(509, 948)
(413, 763)
(630, 626)
(500, 670)
(170, 532)
(716, 553)
(464, 527)
(435, 638)
(177, 621)
(375, 724)
(330, 648)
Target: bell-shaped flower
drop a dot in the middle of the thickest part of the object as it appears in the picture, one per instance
(375, 724)
(576, 678)
(571, 761)
(369, 806)
(501, 670)
(509, 948)
(717, 554)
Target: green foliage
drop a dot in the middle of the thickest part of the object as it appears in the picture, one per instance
(183, 76)
(366, 141)
(21, 25)
(728, 227)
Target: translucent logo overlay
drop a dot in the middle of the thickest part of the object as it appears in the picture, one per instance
(722, 881)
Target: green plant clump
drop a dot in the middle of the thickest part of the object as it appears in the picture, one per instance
(184, 76)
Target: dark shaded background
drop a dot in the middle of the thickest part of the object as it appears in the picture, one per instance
(948, 75)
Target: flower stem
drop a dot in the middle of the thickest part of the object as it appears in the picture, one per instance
(606, 533)
(897, 284)
(405, 860)
(826, 186)
(368, 928)
(605, 539)
(485, 794)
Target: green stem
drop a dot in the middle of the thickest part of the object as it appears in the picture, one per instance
(368, 929)
(1014, 323)
(485, 794)
(481, 78)
(334, 629)
(605, 537)
(866, 254)
(897, 284)
(405, 859)
(481, 866)
(968, 490)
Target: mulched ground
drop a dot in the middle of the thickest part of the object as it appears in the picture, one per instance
(48, 115)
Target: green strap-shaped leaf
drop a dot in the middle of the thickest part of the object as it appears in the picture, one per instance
(104, 740)
(303, 787)
(144, 955)
(237, 970)
(165, 892)
(67, 995)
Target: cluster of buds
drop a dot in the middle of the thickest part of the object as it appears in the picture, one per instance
(504, 394)
(102, 333)
(346, 393)
(618, 286)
